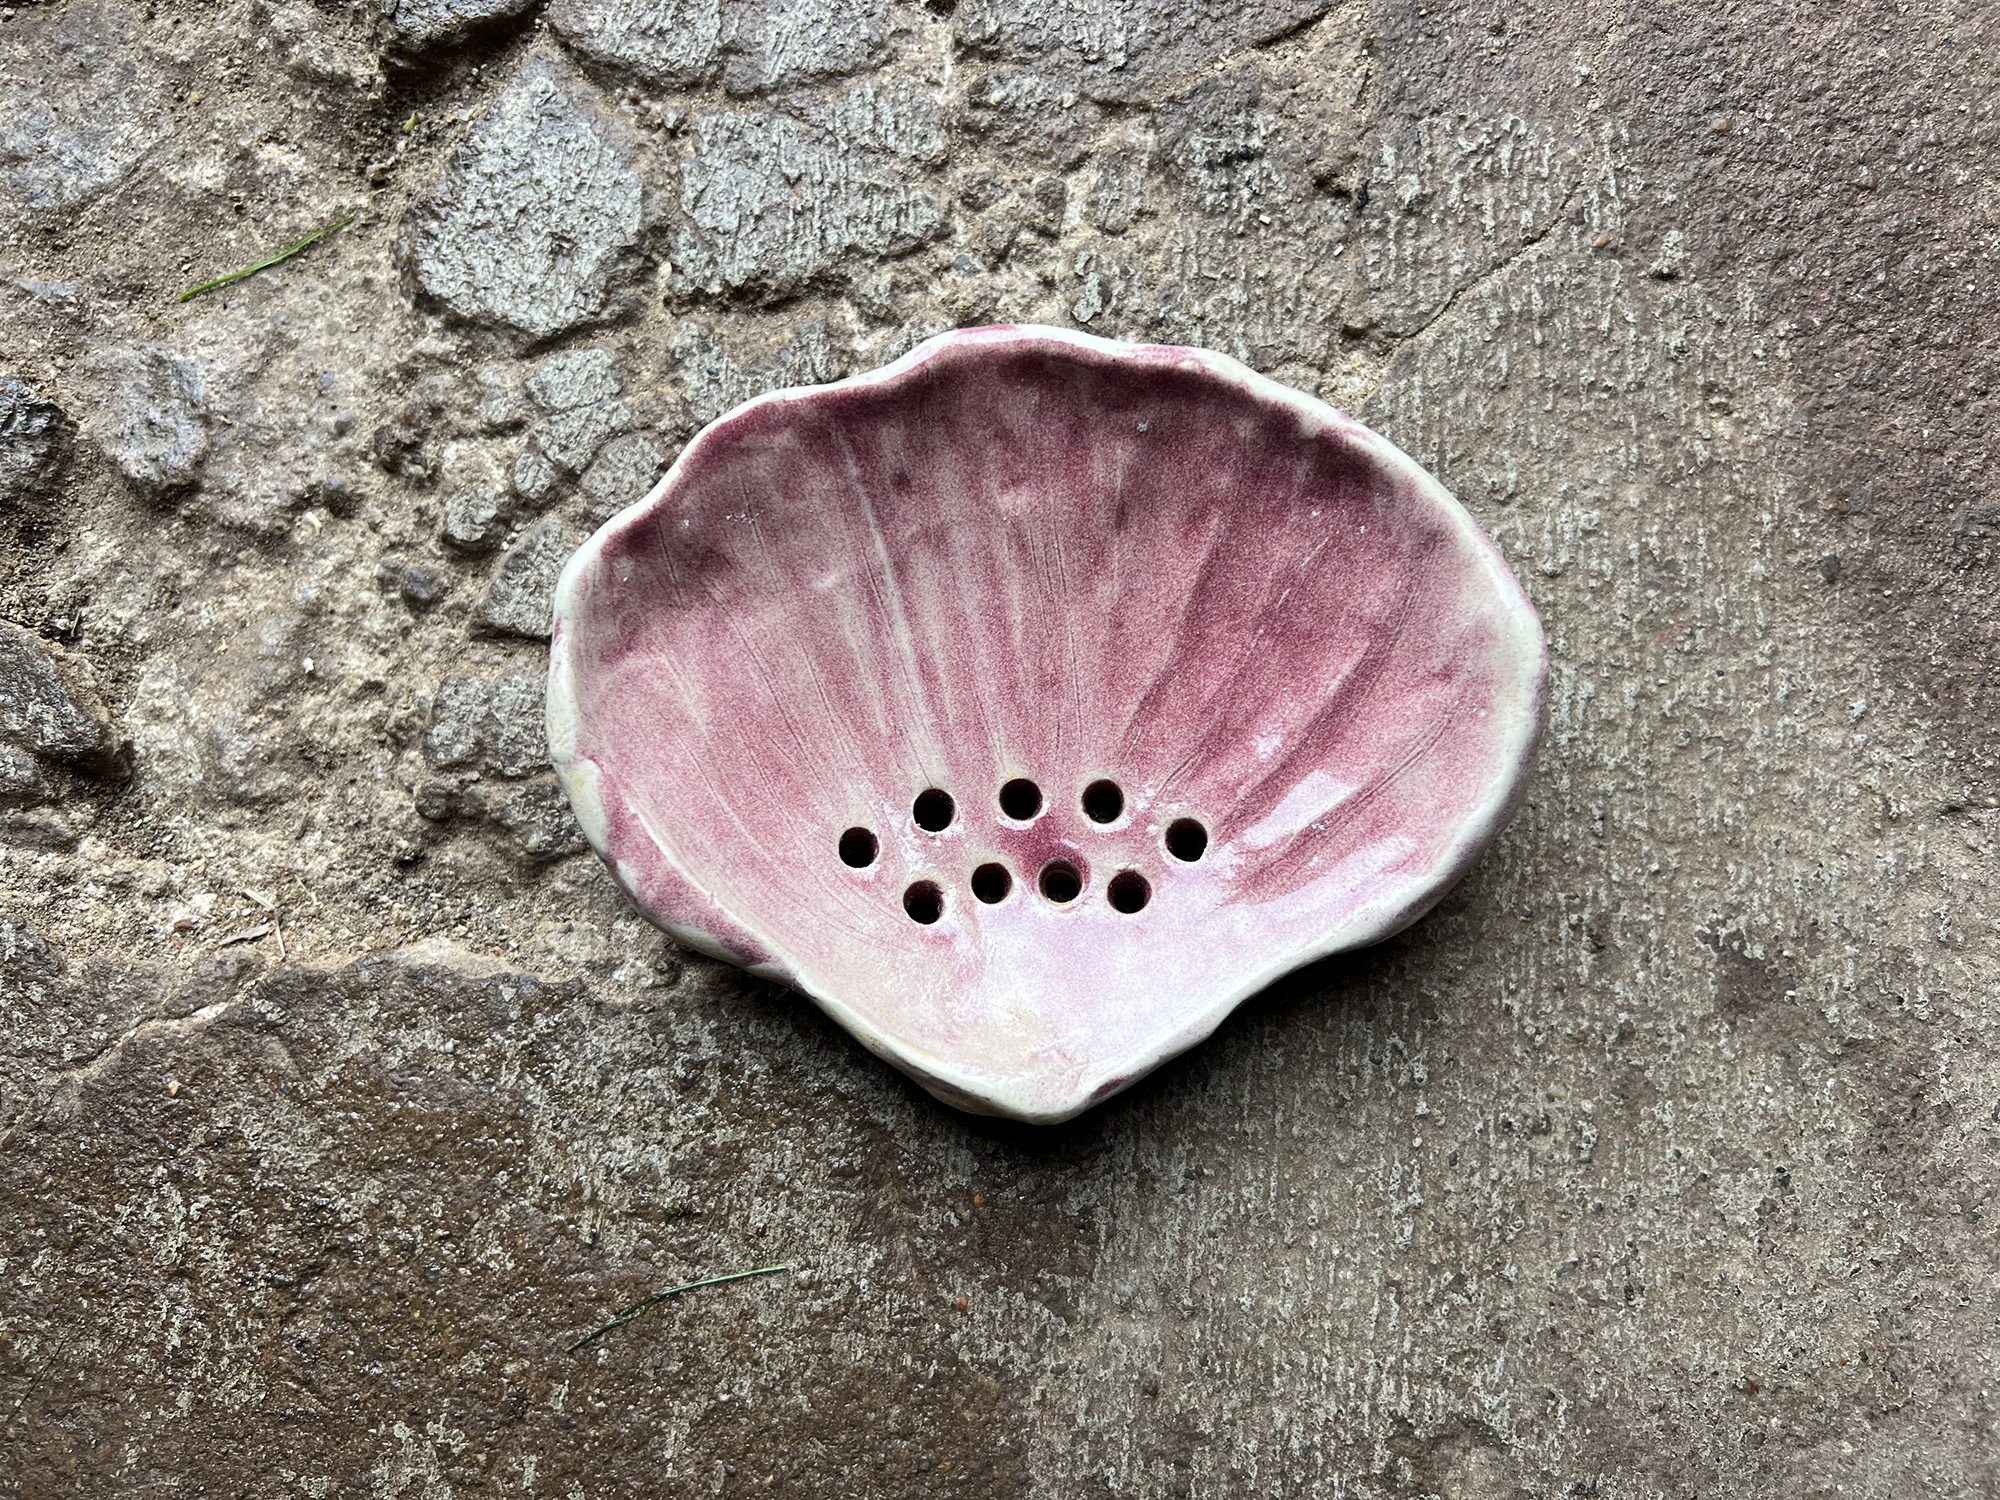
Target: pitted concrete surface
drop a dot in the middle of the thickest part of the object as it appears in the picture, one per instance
(339, 1089)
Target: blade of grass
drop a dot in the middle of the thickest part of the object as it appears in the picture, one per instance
(640, 1308)
(264, 265)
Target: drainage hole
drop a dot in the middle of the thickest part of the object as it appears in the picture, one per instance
(991, 883)
(1103, 801)
(1128, 892)
(933, 810)
(1186, 839)
(858, 848)
(924, 902)
(1060, 882)
(1020, 799)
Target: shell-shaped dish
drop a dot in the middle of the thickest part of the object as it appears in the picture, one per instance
(1271, 688)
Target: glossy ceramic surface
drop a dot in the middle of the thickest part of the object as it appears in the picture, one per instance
(1272, 689)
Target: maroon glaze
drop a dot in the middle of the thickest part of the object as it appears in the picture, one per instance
(1022, 552)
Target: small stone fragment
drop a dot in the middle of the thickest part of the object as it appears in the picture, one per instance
(48, 706)
(412, 25)
(36, 830)
(570, 439)
(626, 469)
(538, 814)
(1672, 261)
(498, 726)
(663, 41)
(472, 521)
(576, 377)
(155, 428)
(78, 121)
(1125, 49)
(771, 200)
(774, 43)
(521, 596)
(520, 734)
(35, 442)
(21, 780)
(421, 586)
(716, 379)
(437, 800)
(538, 213)
(501, 407)
(534, 477)
(461, 717)
(1829, 567)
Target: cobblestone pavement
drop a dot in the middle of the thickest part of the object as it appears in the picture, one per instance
(339, 1089)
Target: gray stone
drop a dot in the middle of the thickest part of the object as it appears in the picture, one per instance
(502, 406)
(1121, 50)
(669, 42)
(21, 781)
(45, 831)
(520, 736)
(496, 725)
(717, 377)
(155, 425)
(771, 201)
(533, 477)
(421, 586)
(772, 44)
(459, 727)
(896, 116)
(437, 799)
(1024, 117)
(539, 815)
(413, 25)
(538, 214)
(78, 121)
(49, 706)
(472, 521)
(320, 55)
(35, 442)
(626, 469)
(576, 377)
(520, 597)
(570, 439)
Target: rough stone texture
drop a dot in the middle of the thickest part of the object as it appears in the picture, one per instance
(624, 471)
(155, 429)
(775, 43)
(569, 439)
(495, 725)
(48, 705)
(36, 437)
(577, 377)
(77, 118)
(1125, 50)
(412, 25)
(771, 200)
(1657, 1162)
(521, 595)
(663, 41)
(759, 45)
(539, 212)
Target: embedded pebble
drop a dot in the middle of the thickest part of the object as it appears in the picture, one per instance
(521, 596)
(155, 426)
(49, 707)
(35, 441)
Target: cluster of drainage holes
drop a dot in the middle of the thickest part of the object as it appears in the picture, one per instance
(1060, 881)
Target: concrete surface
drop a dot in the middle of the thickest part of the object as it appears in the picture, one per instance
(1659, 1161)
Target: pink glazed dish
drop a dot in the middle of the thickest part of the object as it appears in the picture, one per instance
(1032, 701)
